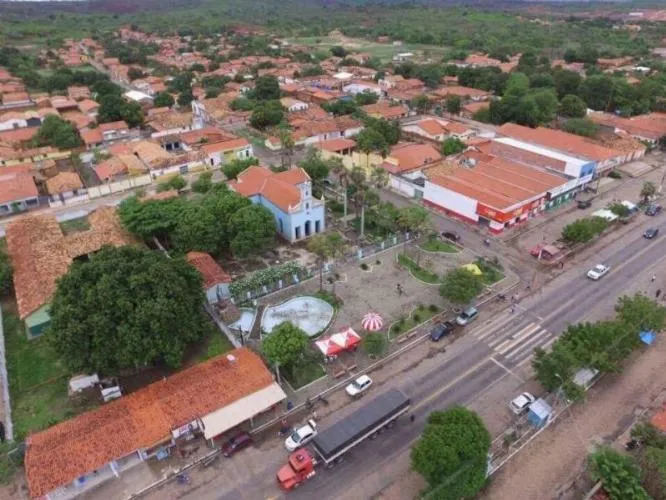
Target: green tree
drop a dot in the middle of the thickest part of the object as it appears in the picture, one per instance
(366, 97)
(374, 343)
(285, 346)
(581, 126)
(618, 474)
(126, 308)
(452, 454)
(254, 228)
(453, 104)
(414, 219)
(619, 209)
(163, 99)
(135, 73)
(641, 313)
(176, 182)
(287, 146)
(566, 82)
(56, 132)
(370, 140)
(583, 230)
(185, 98)
(151, 218)
(338, 51)
(314, 166)
(232, 169)
(267, 88)
(204, 183)
(597, 92)
(546, 102)
(652, 462)
(556, 369)
(461, 285)
(420, 103)
(648, 191)
(113, 108)
(452, 146)
(267, 114)
(573, 106)
(325, 246)
(6, 273)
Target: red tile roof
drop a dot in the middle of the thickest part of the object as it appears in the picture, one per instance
(336, 145)
(211, 271)
(18, 135)
(659, 420)
(280, 189)
(385, 110)
(559, 141)
(412, 156)
(92, 136)
(431, 126)
(16, 186)
(119, 125)
(229, 145)
(68, 450)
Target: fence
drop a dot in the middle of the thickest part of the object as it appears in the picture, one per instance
(103, 190)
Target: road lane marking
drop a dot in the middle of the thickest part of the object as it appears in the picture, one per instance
(493, 326)
(510, 336)
(445, 388)
(506, 369)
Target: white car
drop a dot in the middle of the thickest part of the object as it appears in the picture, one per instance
(301, 436)
(521, 403)
(359, 386)
(597, 271)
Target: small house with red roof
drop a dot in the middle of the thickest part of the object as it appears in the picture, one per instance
(288, 195)
(215, 279)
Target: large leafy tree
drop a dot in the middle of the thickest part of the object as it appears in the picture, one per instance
(126, 308)
(641, 312)
(254, 228)
(461, 285)
(267, 88)
(573, 106)
(285, 345)
(151, 218)
(325, 246)
(163, 99)
(5, 273)
(54, 131)
(113, 108)
(452, 453)
(266, 114)
(583, 230)
(317, 168)
(618, 473)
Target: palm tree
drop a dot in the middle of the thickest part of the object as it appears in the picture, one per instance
(325, 246)
(287, 147)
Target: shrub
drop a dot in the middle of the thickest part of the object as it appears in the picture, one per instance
(420, 307)
(374, 343)
(416, 317)
(364, 266)
(614, 174)
(433, 308)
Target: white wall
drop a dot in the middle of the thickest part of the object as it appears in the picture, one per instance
(450, 200)
(402, 186)
(13, 123)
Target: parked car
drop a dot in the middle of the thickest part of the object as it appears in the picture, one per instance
(441, 330)
(236, 443)
(521, 403)
(653, 209)
(301, 436)
(467, 316)
(451, 235)
(584, 203)
(359, 386)
(651, 233)
(598, 271)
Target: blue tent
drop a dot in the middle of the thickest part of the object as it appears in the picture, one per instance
(648, 336)
(539, 413)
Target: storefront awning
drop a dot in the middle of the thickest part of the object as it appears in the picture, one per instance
(238, 412)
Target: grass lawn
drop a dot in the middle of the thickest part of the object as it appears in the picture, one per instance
(301, 375)
(37, 381)
(417, 271)
(419, 315)
(436, 245)
(216, 343)
(72, 225)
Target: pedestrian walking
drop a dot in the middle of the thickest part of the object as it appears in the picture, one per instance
(513, 309)
(411, 418)
(653, 278)
(658, 293)
(561, 265)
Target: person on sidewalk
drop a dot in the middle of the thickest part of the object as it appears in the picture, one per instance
(654, 277)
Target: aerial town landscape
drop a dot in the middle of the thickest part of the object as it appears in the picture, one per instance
(302, 249)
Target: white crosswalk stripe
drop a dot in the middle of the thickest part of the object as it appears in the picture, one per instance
(528, 346)
(521, 344)
(515, 339)
(494, 325)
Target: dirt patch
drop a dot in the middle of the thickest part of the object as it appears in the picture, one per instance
(549, 466)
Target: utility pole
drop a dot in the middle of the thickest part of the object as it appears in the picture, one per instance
(362, 220)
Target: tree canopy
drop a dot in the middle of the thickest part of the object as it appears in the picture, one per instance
(113, 108)
(452, 453)
(583, 230)
(254, 229)
(164, 99)
(56, 132)
(452, 146)
(618, 474)
(285, 345)
(126, 308)
(461, 285)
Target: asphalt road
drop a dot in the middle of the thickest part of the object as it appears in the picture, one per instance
(487, 351)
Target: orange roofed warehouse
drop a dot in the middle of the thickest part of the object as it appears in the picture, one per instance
(207, 399)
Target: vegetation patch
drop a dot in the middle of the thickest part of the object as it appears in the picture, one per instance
(491, 269)
(417, 271)
(73, 225)
(419, 315)
(304, 373)
(437, 245)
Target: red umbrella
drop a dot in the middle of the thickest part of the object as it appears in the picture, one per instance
(372, 322)
(328, 347)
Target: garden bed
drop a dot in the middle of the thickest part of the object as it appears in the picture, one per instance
(417, 271)
(438, 246)
(492, 271)
(301, 375)
(417, 317)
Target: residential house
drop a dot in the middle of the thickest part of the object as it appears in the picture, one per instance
(16, 100)
(308, 132)
(215, 280)
(89, 107)
(649, 128)
(12, 120)
(436, 129)
(465, 93)
(18, 191)
(405, 164)
(220, 153)
(360, 86)
(78, 93)
(40, 254)
(114, 131)
(293, 105)
(19, 137)
(64, 185)
(471, 108)
(217, 112)
(162, 163)
(120, 166)
(207, 399)
(169, 123)
(288, 195)
(61, 104)
(386, 110)
(92, 138)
